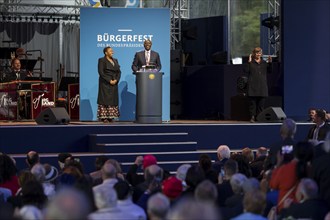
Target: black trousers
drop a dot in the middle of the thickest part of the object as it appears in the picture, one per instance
(257, 105)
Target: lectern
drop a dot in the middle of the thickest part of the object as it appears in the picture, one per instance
(149, 97)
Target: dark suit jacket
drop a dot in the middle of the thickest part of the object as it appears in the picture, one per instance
(140, 60)
(322, 132)
(309, 209)
(11, 76)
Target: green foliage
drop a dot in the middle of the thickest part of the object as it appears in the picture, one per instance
(245, 27)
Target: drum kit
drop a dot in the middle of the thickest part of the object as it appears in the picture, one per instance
(22, 89)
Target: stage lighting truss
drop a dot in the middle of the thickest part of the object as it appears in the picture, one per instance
(13, 10)
(273, 24)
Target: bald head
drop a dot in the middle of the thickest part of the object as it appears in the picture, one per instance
(32, 158)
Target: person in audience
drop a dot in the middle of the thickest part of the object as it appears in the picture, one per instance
(172, 188)
(4, 194)
(68, 203)
(97, 174)
(152, 173)
(206, 191)
(318, 131)
(248, 154)
(205, 163)
(190, 209)
(254, 203)
(321, 171)
(32, 158)
(140, 162)
(287, 132)
(125, 203)
(257, 165)
(195, 175)
(33, 200)
(243, 164)
(51, 173)
(311, 114)
(119, 171)
(158, 207)
(106, 203)
(309, 206)
(8, 177)
(39, 171)
(23, 177)
(224, 188)
(108, 176)
(286, 177)
(181, 174)
(61, 159)
(236, 181)
(223, 154)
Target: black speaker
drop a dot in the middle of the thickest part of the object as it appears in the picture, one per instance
(271, 114)
(53, 116)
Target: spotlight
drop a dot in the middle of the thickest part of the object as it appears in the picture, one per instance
(271, 22)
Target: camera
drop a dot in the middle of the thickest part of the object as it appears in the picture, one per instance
(287, 149)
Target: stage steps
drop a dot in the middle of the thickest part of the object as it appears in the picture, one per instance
(141, 142)
(170, 148)
(167, 160)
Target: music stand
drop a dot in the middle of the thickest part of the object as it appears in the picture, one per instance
(65, 81)
(28, 65)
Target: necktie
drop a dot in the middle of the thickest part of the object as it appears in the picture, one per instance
(316, 133)
(148, 56)
(17, 75)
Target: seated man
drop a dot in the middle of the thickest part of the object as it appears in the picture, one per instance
(16, 72)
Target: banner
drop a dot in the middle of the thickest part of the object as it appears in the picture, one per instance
(123, 29)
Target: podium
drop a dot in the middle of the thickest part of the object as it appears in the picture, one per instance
(149, 97)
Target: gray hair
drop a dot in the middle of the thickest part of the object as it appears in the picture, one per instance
(206, 191)
(105, 197)
(223, 151)
(190, 209)
(288, 128)
(237, 181)
(182, 171)
(158, 206)
(39, 172)
(68, 203)
(251, 184)
(308, 188)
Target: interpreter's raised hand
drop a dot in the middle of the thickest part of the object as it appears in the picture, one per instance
(250, 58)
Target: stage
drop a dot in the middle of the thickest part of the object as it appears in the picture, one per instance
(174, 142)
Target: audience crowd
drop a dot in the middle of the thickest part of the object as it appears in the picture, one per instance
(285, 180)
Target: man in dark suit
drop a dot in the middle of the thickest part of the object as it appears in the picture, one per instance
(146, 57)
(16, 72)
(309, 206)
(318, 131)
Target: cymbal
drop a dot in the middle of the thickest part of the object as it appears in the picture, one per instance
(8, 41)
